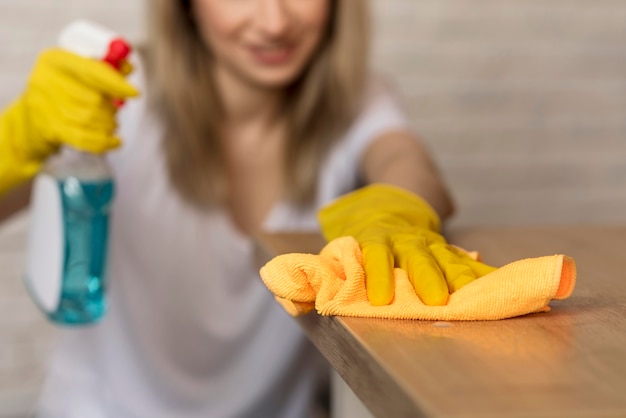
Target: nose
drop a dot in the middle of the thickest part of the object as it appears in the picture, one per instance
(272, 17)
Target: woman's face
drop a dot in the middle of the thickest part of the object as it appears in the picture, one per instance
(267, 43)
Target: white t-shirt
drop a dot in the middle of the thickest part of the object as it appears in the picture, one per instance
(191, 330)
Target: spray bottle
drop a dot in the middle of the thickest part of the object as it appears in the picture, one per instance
(70, 210)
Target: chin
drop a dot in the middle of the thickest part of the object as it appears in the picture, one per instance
(275, 77)
(273, 82)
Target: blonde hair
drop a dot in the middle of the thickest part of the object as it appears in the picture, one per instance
(319, 105)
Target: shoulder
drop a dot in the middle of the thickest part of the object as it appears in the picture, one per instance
(380, 112)
(381, 98)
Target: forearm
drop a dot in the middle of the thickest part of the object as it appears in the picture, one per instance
(398, 158)
(14, 200)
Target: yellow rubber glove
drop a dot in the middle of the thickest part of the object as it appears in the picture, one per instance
(397, 228)
(68, 100)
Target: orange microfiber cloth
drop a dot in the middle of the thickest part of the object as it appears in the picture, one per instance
(333, 283)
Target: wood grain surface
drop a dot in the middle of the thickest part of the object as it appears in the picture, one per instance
(570, 362)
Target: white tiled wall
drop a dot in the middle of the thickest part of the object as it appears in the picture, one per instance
(27, 26)
(523, 104)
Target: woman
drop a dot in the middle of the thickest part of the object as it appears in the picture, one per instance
(253, 114)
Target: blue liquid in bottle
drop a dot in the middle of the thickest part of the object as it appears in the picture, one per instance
(86, 209)
(67, 257)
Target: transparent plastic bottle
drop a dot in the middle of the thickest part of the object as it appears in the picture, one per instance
(66, 273)
(70, 209)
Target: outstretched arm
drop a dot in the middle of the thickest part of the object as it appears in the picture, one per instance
(396, 220)
(400, 159)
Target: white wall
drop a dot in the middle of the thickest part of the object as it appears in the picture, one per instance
(28, 26)
(523, 103)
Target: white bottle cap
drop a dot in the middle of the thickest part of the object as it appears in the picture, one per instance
(87, 39)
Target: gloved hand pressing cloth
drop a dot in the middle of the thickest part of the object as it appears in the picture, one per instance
(387, 259)
(396, 228)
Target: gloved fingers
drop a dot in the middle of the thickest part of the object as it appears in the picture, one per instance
(66, 101)
(378, 266)
(455, 267)
(412, 255)
(110, 82)
(479, 268)
(63, 87)
(95, 74)
(89, 140)
(474, 255)
(125, 68)
(66, 111)
(97, 121)
(100, 118)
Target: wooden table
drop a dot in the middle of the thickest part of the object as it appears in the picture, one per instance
(570, 362)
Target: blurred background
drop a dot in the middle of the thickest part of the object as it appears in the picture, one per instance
(522, 103)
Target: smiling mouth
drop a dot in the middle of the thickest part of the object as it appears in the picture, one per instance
(272, 56)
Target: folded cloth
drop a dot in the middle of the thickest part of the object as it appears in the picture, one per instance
(333, 283)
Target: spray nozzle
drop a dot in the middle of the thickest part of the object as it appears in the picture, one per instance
(91, 40)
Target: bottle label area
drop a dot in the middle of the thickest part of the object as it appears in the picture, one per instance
(66, 262)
